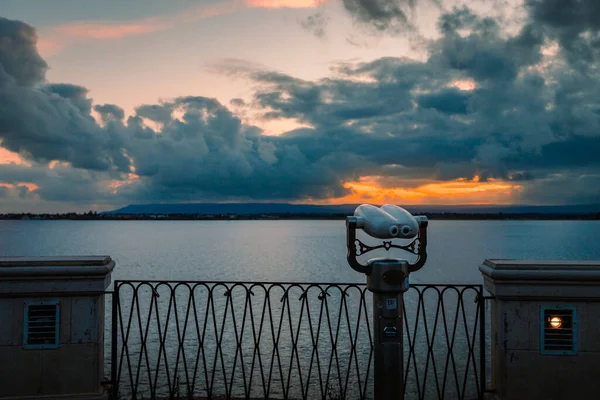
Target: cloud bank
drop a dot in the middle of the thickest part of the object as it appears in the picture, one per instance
(519, 112)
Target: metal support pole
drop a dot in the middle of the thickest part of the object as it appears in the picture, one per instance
(388, 281)
(389, 351)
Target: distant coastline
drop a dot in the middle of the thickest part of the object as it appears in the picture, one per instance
(288, 211)
(93, 216)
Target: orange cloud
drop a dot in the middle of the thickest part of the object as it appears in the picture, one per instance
(283, 3)
(464, 84)
(63, 35)
(116, 184)
(460, 191)
(79, 31)
(97, 30)
(9, 157)
(28, 185)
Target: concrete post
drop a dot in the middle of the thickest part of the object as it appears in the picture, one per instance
(545, 326)
(52, 327)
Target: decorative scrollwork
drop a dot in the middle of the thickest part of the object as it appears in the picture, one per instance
(361, 248)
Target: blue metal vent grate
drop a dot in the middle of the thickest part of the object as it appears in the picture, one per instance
(41, 325)
(558, 328)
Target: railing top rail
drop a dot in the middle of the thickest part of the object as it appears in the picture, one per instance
(129, 281)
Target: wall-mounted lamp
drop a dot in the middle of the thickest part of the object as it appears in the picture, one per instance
(558, 330)
(555, 322)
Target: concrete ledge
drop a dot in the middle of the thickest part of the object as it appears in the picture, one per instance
(73, 261)
(27, 275)
(83, 396)
(576, 279)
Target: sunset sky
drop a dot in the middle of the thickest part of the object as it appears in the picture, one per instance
(108, 103)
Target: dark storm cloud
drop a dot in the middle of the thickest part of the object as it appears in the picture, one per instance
(19, 59)
(574, 23)
(109, 111)
(209, 152)
(156, 113)
(381, 14)
(316, 24)
(451, 101)
(76, 94)
(61, 183)
(403, 119)
(517, 124)
(45, 122)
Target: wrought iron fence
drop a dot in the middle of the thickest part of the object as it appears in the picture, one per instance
(199, 340)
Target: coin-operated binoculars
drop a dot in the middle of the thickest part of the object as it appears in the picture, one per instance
(387, 279)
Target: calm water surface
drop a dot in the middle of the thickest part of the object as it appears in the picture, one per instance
(288, 250)
(305, 251)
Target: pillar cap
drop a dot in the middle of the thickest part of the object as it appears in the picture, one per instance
(20, 275)
(542, 278)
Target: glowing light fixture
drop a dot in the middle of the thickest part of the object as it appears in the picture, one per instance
(558, 329)
(555, 322)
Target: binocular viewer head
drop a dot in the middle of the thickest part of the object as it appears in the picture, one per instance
(386, 222)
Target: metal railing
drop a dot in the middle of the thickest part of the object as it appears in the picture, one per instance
(193, 340)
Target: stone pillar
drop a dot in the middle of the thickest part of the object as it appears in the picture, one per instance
(545, 328)
(52, 327)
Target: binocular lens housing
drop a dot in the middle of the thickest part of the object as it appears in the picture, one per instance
(387, 222)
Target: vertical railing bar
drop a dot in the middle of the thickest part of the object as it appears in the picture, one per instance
(275, 349)
(482, 345)
(304, 298)
(220, 342)
(289, 321)
(144, 341)
(458, 304)
(366, 313)
(412, 342)
(435, 371)
(164, 339)
(334, 346)
(353, 344)
(256, 353)
(285, 301)
(126, 340)
(205, 325)
(295, 341)
(142, 350)
(114, 343)
(470, 344)
(181, 337)
(241, 338)
(238, 338)
(449, 347)
(214, 323)
(178, 331)
(200, 341)
(323, 294)
(161, 349)
(314, 343)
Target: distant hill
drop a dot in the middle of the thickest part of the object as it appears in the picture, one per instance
(285, 208)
